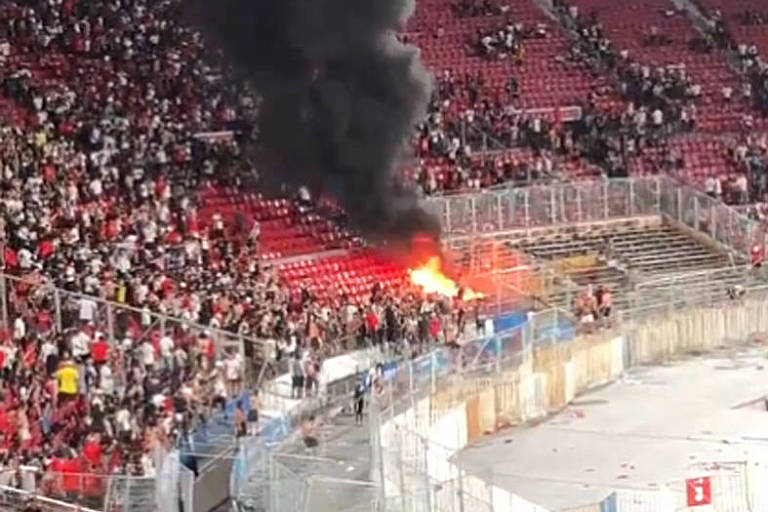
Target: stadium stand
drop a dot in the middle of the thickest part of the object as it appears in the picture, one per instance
(659, 91)
(620, 256)
(111, 194)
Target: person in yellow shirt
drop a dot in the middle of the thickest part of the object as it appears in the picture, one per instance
(41, 139)
(67, 381)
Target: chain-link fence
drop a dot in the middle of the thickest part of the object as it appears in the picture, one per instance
(268, 474)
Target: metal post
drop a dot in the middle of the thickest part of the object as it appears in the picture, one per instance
(273, 487)
(377, 446)
(606, 209)
(553, 201)
(309, 493)
(400, 464)
(498, 352)
(247, 364)
(680, 205)
(695, 213)
(57, 310)
(499, 212)
(126, 498)
(110, 327)
(562, 200)
(579, 212)
(631, 198)
(426, 473)
(410, 376)
(433, 365)
(527, 208)
(730, 231)
(473, 206)
(4, 293)
(447, 205)
(461, 476)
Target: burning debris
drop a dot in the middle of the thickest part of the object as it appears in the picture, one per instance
(431, 279)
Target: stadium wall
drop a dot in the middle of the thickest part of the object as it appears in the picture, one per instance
(418, 438)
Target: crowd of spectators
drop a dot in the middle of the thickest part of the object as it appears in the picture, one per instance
(756, 71)
(100, 182)
(475, 8)
(749, 151)
(660, 104)
(98, 185)
(464, 121)
(751, 63)
(754, 17)
(507, 41)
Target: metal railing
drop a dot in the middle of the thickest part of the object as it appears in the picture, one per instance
(18, 499)
(715, 288)
(412, 469)
(512, 209)
(265, 476)
(29, 296)
(59, 491)
(417, 473)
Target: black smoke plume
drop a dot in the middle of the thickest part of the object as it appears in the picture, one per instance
(340, 97)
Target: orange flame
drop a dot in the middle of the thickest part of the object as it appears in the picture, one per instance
(432, 280)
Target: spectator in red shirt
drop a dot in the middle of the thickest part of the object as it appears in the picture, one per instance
(99, 350)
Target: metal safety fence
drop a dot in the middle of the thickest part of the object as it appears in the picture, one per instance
(64, 491)
(414, 435)
(14, 499)
(46, 309)
(270, 475)
(418, 425)
(271, 472)
(513, 209)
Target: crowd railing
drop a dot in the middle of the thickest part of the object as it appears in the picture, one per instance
(497, 211)
(32, 295)
(419, 423)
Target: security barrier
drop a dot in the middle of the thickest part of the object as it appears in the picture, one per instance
(416, 435)
(494, 212)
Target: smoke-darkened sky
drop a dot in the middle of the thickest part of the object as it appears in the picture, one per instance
(340, 97)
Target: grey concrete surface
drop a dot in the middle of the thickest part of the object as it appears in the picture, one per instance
(644, 432)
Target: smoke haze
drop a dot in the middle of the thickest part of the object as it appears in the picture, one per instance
(340, 97)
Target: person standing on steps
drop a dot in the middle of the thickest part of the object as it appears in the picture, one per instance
(359, 400)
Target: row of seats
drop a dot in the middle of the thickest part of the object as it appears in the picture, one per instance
(543, 80)
(353, 274)
(703, 156)
(627, 25)
(284, 229)
(732, 12)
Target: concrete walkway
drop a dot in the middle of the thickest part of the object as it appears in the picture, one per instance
(339, 469)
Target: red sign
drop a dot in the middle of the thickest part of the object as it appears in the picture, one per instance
(699, 491)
